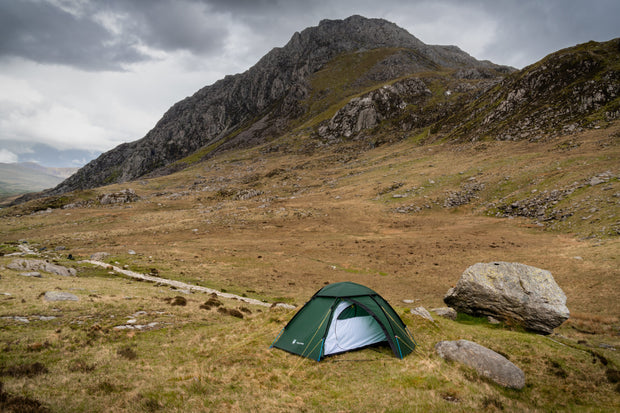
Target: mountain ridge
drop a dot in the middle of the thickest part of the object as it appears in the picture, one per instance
(389, 85)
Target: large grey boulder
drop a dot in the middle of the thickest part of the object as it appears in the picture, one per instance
(41, 265)
(486, 362)
(512, 292)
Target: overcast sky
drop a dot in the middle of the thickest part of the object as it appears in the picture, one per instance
(83, 76)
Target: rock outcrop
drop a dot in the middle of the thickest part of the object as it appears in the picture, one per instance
(365, 112)
(555, 95)
(486, 362)
(41, 265)
(122, 197)
(511, 292)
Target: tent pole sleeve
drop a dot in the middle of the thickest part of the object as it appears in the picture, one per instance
(321, 352)
(399, 350)
(274, 341)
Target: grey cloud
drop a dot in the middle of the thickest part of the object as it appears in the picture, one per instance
(532, 29)
(176, 25)
(44, 33)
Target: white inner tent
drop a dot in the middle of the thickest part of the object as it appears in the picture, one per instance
(351, 329)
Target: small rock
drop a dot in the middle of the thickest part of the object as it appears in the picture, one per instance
(486, 362)
(59, 296)
(17, 318)
(99, 256)
(408, 301)
(445, 312)
(492, 320)
(422, 312)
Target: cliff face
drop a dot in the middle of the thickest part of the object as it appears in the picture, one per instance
(245, 109)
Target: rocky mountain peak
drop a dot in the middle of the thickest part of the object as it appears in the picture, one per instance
(247, 108)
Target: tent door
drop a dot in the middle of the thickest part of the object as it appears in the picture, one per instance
(351, 328)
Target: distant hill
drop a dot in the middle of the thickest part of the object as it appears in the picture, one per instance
(20, 178)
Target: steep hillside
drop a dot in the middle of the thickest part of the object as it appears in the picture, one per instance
(249, 108)
(569, 90)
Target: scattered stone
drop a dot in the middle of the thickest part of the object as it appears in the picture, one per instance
(600, 178)
(464, 196)
(422, 312)
(41, 265)
(408, 301)
(445, 312)
(59, 296)
(31, 274)
(121, 197)
(511, 292)
(486, 362)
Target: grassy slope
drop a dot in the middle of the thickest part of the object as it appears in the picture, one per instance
(323, 217)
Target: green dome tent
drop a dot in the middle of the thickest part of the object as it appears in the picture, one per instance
(342, 317)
